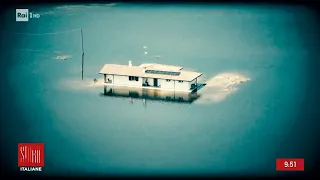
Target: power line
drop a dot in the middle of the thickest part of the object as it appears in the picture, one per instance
(60, 32)
(52, 33)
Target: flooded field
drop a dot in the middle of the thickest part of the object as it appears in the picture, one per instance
(254, 62)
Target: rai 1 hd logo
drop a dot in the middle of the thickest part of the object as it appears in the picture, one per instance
(25, 15)
(30, 156)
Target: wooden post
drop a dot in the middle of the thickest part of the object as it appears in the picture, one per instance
(82, 52)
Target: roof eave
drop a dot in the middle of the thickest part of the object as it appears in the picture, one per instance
(196, 77)
(156, 77)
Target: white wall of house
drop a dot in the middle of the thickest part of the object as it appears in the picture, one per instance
(172, 84)
(124, 80)
(182, 86)
(166, 84)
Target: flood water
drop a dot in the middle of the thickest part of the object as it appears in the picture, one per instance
(45, 100)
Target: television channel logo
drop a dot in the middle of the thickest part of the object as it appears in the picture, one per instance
(30, 156)
(24, 15)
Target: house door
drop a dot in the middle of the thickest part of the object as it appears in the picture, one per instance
(155, 82)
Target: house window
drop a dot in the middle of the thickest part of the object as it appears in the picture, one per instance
(180, 81)
(133, 78)
(168, 80)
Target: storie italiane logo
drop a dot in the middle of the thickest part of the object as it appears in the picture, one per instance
(30, 156)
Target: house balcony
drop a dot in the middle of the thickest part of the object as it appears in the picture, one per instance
(148, 85)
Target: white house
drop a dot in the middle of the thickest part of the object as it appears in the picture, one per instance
(150, 76)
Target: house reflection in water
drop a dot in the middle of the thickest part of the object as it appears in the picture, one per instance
(149, 94)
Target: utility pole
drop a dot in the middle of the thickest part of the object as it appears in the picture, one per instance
(82, 52)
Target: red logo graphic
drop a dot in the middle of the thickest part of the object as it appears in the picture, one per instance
(289, 164)
(30, 154)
